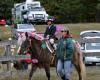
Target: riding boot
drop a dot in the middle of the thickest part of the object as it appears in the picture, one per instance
(63, 77)
(66, 79)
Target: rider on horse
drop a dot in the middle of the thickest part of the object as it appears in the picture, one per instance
(51, 28)
(50, 31)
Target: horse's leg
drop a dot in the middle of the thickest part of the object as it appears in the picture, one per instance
(82, 70)
(76, 64)
(78, 71)
(33, 69)
(47, 70)
(80, 67)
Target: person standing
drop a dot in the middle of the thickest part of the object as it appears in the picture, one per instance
(64, 54)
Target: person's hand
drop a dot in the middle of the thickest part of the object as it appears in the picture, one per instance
(48, 36)
(51, 41)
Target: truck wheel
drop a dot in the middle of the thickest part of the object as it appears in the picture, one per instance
(94, 63)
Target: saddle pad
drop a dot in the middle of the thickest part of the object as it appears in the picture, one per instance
(38, 36)
(43, 45)
(28, 61)
(34, 61)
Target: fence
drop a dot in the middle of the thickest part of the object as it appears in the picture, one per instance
(8, 58)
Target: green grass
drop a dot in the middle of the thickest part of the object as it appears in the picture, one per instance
(77, 28)
(74, 28)
(93, 73)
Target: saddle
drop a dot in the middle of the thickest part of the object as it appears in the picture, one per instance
(51, 48)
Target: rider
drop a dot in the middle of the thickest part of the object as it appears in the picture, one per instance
(50, 31)
(64, 53)
(51, 28)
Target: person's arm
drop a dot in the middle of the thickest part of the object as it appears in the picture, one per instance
(46, 32)
(53, 32)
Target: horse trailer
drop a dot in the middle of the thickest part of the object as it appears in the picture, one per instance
(31, 11)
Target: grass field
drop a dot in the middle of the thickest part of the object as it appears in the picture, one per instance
(75, 28)
(93, 73)
(5, 32)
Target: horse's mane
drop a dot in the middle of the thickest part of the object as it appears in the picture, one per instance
(35, 47)
(37, 51)
(36, 41)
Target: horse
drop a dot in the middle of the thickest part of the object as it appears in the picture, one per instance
(38, 52)
(43, 57)
(78, 61)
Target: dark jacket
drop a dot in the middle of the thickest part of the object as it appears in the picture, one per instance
(50, 31)
(65, 49)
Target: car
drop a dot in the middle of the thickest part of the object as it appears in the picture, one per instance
(2, 22)
(19, 29)
(90, 46)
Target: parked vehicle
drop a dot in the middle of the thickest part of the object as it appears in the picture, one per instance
(20, 29)
(31, 11)
(2, 22)
(90, 44)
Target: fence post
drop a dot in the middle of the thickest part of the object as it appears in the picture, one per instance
(8, 54)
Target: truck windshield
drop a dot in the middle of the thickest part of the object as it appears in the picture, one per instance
(33, 5)
(37, 9)
(92, 46)
(90, 34)
(25, 26)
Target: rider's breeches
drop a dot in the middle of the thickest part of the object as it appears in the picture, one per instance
(64, 68)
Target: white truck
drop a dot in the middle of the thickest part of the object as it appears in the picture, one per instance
(30, 10)
(90, 46)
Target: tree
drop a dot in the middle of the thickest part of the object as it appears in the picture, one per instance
(62, 10)
(5, 8)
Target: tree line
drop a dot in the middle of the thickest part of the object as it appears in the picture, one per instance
(64, 11)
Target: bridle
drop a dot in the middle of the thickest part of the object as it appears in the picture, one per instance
(27, 46)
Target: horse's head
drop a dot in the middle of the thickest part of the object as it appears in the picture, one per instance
(29, 43)
(25, 44)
